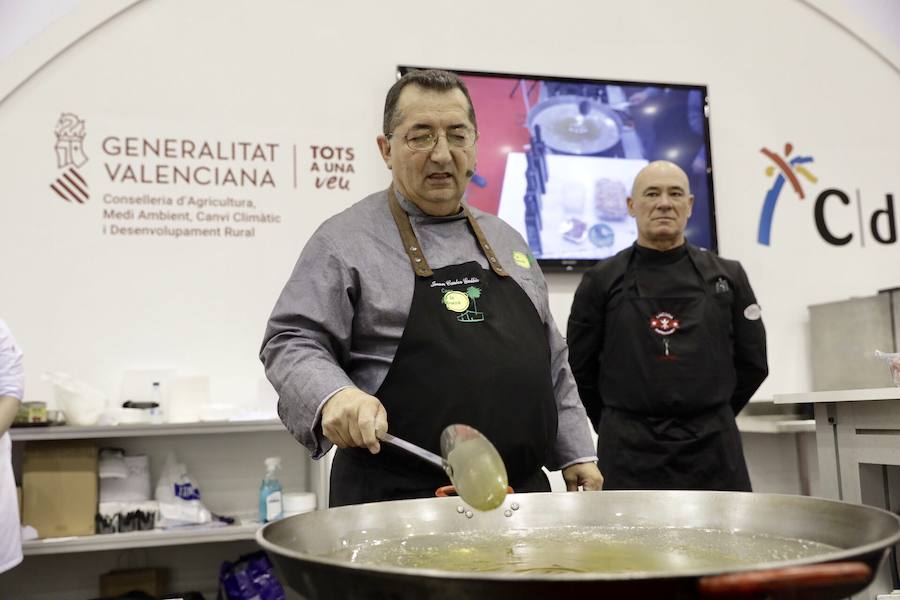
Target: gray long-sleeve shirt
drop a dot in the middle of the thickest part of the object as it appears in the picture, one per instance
(340, 317)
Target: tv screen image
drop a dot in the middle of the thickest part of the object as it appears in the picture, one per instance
(557, 158)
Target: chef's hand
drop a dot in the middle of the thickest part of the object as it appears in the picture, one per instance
(585, 475)
(354, 419)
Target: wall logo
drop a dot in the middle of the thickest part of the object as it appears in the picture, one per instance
(787, 169)
(70, 156)
(834, 227)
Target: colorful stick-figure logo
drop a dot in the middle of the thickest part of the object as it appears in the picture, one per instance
(786, 168)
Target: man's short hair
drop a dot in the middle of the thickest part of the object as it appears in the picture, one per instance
(430, 79)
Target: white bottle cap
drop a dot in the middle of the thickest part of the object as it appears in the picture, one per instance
(273, 462)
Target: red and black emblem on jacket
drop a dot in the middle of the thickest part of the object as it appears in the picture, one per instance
(664, 323)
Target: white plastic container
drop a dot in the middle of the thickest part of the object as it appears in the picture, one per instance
(188, 397)
(295, 503)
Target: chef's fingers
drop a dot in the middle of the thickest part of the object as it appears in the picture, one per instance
(337, 414)
(331, 429)
(336, 431)
(361, 421)
(585, 476)
(589, 477)
(571, 480)
(355, 433)
(381, 424)
(366, 425)
(593, 483)
(336, 437)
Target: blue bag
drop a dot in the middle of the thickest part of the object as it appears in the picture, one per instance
(251, 577)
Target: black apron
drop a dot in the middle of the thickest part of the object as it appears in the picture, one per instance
(474, 351)
(668, 375)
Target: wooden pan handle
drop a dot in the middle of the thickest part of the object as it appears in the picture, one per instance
(753, 584)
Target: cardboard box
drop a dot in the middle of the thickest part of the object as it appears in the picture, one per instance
(149, 581)
(59, 488)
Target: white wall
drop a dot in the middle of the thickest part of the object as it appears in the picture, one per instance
(303, 73)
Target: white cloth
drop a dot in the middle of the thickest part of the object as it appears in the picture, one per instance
(134, 487)
(12, 374)
(10, 531)
(112, 464)
(12, 383)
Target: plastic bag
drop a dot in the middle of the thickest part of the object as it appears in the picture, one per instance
(893, 362)
(252, 577)
(81, 403)
(178, 497)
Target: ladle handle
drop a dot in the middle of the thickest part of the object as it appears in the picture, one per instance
(413, 449)
(785, 582)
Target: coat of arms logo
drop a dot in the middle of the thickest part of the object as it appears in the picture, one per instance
(70, 156)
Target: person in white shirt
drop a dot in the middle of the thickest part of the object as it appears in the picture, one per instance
(12, 388)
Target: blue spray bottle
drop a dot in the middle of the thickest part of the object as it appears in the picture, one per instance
(270, 507)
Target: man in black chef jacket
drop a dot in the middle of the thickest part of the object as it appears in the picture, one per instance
(667, 344)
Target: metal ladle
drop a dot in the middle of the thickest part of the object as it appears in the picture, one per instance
(470, 460)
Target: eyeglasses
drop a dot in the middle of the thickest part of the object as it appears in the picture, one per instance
(424, 140)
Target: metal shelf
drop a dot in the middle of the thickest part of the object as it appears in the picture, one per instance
(862, 395)
(71, 432)
(139, 539)
(774, 424)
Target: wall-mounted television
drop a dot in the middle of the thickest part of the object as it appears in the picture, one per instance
(557, 157)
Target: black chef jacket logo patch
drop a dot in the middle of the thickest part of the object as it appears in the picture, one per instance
(722, 285)
(465, 303)
(664, 323)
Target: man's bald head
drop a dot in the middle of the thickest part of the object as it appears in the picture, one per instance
(661, 204)
(660, 170)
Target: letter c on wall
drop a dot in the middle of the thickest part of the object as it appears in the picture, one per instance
(820, 217)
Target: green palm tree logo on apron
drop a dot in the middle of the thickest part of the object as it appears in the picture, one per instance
(460, 302)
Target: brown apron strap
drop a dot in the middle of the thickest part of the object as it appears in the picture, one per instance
(414, 249)
(485, 247)
(410, 243)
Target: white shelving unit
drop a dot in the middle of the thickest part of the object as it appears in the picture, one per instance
(139, 539)
(225, 458)
(69, 432)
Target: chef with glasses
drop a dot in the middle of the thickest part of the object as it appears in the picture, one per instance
(411, 311)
